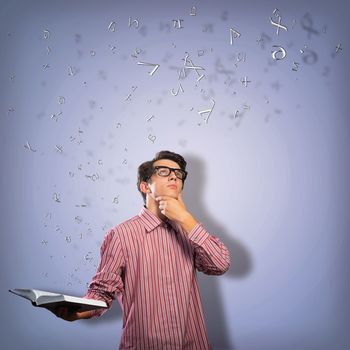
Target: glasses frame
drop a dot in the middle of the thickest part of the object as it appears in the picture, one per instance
(171, 169)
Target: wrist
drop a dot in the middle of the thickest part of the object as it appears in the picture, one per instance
(188, 222)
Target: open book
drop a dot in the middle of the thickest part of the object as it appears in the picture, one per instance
(52, 300)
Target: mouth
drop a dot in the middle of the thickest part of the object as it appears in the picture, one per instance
(172, 186)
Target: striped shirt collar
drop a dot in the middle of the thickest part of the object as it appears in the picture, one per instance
(150, 221)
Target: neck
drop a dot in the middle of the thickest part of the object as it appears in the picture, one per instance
(152, 206)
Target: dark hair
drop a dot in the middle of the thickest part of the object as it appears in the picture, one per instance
(146, 169)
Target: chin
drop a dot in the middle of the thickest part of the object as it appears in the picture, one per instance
(173, 195)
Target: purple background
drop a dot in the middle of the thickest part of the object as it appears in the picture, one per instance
(268, 171)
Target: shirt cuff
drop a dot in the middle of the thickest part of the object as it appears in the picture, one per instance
(198, 235)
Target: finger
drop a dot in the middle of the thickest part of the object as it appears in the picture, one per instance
(163, 205)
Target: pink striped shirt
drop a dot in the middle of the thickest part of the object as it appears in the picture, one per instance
(150, 265)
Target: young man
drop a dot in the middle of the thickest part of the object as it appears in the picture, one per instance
(149, 262)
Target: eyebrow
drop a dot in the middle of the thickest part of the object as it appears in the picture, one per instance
(165, 166)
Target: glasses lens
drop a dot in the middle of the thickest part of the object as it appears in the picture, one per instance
(163, 171)
(179, 174)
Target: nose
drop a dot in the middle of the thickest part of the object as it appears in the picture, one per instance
(172, 175)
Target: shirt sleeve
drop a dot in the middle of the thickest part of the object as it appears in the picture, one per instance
(211, 256)
(108, 279)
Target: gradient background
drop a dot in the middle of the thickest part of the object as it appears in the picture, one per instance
(270, 180)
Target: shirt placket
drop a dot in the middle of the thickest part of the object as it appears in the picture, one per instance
(171, 290)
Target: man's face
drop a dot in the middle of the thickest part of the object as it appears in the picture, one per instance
(169, 185)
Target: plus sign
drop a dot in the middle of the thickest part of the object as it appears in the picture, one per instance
(245, 81)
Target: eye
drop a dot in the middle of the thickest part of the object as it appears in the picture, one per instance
(179, 174)
(163, 172)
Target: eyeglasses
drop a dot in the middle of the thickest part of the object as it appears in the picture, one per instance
(165, 171)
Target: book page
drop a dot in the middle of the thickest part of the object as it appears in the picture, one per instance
(49, 299)
(39, 293)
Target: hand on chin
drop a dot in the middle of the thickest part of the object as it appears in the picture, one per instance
(171, 193)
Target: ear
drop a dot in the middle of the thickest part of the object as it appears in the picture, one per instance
(144, 187)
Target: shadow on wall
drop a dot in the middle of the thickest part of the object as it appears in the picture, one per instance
(241, 263)
(209, 286)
